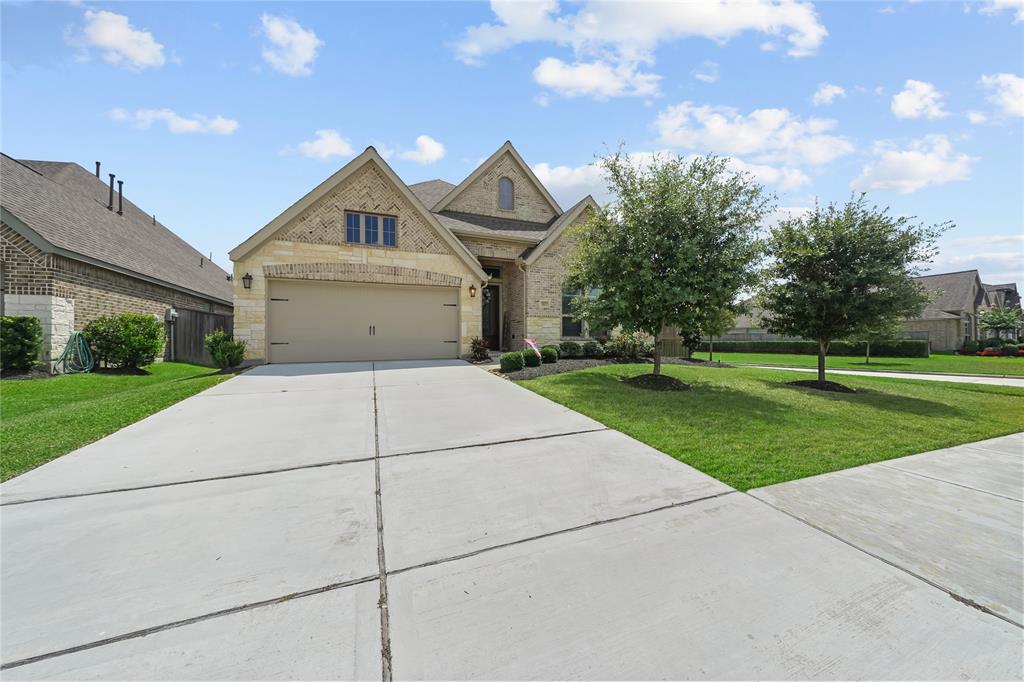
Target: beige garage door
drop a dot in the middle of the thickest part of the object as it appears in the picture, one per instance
(328, 322)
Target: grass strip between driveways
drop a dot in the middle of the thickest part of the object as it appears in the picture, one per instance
(956, 364)
(748, 428)
(41, 419)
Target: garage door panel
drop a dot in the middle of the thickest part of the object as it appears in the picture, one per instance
(327, 321)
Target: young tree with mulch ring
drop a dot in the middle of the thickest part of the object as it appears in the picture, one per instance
(677, 243)
(840, 270)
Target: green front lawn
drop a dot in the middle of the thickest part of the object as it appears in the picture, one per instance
(41, 419)
(957, 364)
(748, 428)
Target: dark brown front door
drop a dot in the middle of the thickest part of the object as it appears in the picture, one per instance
(491, 303)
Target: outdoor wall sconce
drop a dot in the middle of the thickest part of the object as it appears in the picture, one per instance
(247, 281)
(472, 291)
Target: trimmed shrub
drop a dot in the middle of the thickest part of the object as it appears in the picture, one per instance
(549, 355)
(21, 342)
(1010, 349)
(558, 351)
(592, 349)
(897, 348)
(225, 351)
(992, 342)
(511, 362)
(969, 348)
(631, 346)
(530, 358)
(570, 349)
(126, 339)
(478, 351)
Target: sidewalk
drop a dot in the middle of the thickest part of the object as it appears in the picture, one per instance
(992, 380)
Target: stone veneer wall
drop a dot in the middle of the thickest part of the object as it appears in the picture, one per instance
(481, 197)
(544, 288)
(56, 314)
(317, 237)
(943, 335)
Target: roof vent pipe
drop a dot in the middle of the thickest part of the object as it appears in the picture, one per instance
(97, 169)
(120, 197)
(110, 202)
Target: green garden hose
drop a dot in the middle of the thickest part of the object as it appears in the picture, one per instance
(77, 357)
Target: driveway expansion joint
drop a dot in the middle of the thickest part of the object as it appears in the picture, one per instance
(942, 480)
(523, 439)
(187, 621)
(967, 601)
(382, 603)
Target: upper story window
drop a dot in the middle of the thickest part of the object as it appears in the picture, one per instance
(506, 195)
(370, 228)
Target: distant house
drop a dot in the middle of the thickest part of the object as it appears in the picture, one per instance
(72, 249)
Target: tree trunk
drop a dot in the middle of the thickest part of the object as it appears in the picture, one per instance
(822, 347)
(657, 358)
(711, 348)
(867, 353)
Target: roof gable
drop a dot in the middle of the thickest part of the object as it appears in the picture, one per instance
(505, 150)
(559, 226)
(62, 208)
(954, 290)
(370, 156)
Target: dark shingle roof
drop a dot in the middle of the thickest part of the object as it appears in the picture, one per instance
(488, 226)
(952, 290)
(67, 206)
(431, 191)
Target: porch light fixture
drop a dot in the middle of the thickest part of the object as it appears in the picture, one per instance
(247, 281)
(472, 291)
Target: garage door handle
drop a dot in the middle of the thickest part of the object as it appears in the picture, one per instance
(373, 330)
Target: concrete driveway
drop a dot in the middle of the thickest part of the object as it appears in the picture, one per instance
(429, 520)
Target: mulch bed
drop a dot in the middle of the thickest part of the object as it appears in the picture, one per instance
(656, 382)
(694, 361)
(822, 385)
(21, 374)
(573, 364)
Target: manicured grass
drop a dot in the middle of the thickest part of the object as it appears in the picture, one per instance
(748, 428)
(41, 419)
(957, 364)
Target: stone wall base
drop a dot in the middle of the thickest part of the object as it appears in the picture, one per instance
(56, 314)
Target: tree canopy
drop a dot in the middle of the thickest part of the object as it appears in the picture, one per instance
(842, 271)
(676, 244)
(1001, 320)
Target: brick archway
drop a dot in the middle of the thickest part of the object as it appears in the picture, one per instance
(360, 272)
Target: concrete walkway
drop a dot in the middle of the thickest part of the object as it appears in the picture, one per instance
(432, 521)
(954, 378)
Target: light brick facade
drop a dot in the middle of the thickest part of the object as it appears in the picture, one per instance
(481, 197)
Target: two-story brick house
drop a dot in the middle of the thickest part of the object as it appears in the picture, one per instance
(365, 267)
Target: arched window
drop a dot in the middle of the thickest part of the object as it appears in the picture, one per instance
(506, 197)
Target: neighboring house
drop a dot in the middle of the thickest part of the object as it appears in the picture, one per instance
(365, 267)
(1003, 295)
(72, 249)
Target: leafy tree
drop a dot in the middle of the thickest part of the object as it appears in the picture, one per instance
(676, 244)
(998, 320)
(840, 270)
(716, 324)
(884, 329)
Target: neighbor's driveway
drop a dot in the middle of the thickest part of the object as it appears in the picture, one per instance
(238, 534)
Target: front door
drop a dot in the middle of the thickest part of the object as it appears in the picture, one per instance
(491, 304)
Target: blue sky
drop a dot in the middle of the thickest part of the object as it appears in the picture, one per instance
(218, 116)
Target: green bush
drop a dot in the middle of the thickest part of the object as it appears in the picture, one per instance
(1010, 348)
(548, 354)
(558, 351)
(570, 349)
(126, 339)
(530, 359)
(969, 348)
(897, 348)
(478, 351)
(631, 346)
(991, 343)
(225, 351)
(511, 362)
(21, 342)
(592, 349)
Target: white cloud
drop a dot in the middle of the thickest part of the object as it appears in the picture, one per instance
(826, 93)
(428, 150)
(291, 49)
(785, 177)
(196, 123)
(771, 134)
(918, 99)
(976, 117)
(542, 99)
(708, 72)
(1007, 92)
(928, 161)
(998, 6)
(328, 143)
(122, 44)
(598, 79)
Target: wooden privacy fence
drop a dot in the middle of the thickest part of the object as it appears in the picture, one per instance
(187, 336)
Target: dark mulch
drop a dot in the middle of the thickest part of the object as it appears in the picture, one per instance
(566, 365)
(133, 371)
(20, 374)
(657, 382)
(694, 361)
(822, 385)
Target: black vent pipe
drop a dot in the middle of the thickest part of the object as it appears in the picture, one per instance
(120, 197)
(97, 169)
(110, 202)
